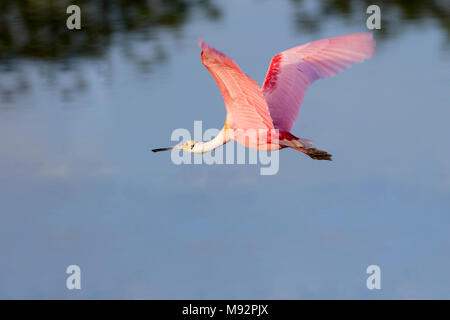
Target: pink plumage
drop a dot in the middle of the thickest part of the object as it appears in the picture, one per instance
(292, 71)
(275, 106)
(244, 101)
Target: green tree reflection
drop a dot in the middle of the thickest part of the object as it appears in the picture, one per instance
(396, 14)
(35, 30)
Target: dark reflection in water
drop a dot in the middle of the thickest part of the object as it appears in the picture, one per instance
(35, 32)
(395, 14)
(37, 29)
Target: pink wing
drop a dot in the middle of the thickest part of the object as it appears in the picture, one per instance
(292, 71)
(244, 101)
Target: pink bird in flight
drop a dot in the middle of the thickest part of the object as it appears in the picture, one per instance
(273, 109)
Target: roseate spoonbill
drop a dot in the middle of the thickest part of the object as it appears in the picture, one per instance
(275, 106)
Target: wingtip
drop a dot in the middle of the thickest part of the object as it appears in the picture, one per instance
(366, 42)
(202, 43)
(373, 44)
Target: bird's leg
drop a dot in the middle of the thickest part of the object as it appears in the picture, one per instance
(317, 154)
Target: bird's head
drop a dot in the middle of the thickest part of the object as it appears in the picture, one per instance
(187, 146)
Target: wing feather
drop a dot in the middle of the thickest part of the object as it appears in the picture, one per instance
(293, 71)
(244, 100)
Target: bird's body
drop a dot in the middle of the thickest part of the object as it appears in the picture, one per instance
(262, 118)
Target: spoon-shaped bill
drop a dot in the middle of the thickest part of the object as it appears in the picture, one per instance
(162, 149)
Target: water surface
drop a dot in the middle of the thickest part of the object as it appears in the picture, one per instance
(79, 114)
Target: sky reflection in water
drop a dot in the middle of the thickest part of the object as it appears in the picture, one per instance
(79, 184)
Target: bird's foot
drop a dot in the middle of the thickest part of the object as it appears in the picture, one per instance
(318, 154)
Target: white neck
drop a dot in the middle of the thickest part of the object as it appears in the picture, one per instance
(202, 147)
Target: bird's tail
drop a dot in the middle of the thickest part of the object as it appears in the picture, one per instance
(303, 145)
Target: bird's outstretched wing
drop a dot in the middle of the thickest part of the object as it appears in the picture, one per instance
(292, 71)
(244, 101)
